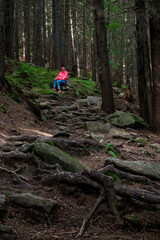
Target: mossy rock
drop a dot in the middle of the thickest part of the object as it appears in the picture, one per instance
(98, 127)
(125, 119)
(141, 142)
(54, 155)
(30, 171)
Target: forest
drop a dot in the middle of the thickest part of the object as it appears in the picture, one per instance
(79, 119)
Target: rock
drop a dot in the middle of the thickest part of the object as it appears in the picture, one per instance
(73, 107)
(94, 100)
(141, 142)
(64, 128)
(29, 171)
(83, 103)
(29, 200)
(117, 90)
(2, 143)
(125, 119)
(52, 155)
(98, 127)
(149, 169)
(6, 233)
(44, 105)
(118, 133)
(99, 137)
(155, 146)
(122, 95)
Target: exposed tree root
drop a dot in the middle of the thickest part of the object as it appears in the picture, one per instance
(108, 185)
(135, 178)
(18, 178)
(15, 155)
(139, 194)
(25, 137)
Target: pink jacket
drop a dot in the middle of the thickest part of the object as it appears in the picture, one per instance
(63, 75)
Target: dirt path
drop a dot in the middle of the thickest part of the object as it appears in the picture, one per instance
(65, 222)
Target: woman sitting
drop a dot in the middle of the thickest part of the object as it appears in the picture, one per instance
(61, 79)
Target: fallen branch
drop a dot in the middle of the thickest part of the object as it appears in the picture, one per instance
(91, 213)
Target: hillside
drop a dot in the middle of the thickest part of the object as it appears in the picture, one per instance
(33, 120)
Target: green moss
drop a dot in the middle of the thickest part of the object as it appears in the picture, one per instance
(7, 194)
(141, 141)
(115, 176)
(36, 79)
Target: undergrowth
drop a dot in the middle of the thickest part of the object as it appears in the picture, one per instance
(36, 79)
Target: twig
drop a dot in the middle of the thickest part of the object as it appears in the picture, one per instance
(88, 217)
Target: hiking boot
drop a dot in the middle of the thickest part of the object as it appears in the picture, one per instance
(54, 89)
(59, 91)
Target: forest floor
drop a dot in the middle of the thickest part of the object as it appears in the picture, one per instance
(64, 223)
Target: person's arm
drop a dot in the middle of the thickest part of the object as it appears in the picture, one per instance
(58, 77)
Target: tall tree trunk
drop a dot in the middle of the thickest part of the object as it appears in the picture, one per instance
(84, 42)
(94, 57)
(17, 29)
(103, 61)
(66, 30)
(155, 52)
(44, 52)
(27, 29)
(9, 18)
(38, 18)
(62, 30)
(143, 64)
(56, 33)
(3, 82)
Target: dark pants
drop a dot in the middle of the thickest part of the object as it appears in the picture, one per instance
(59, 83)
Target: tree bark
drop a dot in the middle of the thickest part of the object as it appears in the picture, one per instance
(17, 29)
(9, 18)
(155, 50)
(103, 61)
(143, 64)
(84, 42)
(66, 31)
(56, 33)
(27, 29)
(3, 82)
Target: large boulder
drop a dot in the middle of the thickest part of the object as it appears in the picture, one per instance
(125, 119)
(98, 127)
(149, 169)
(32, 201)
(53, 155)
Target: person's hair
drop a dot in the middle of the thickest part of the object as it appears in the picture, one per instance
(63, 66)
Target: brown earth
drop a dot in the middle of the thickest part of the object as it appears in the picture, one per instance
(64, 223)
